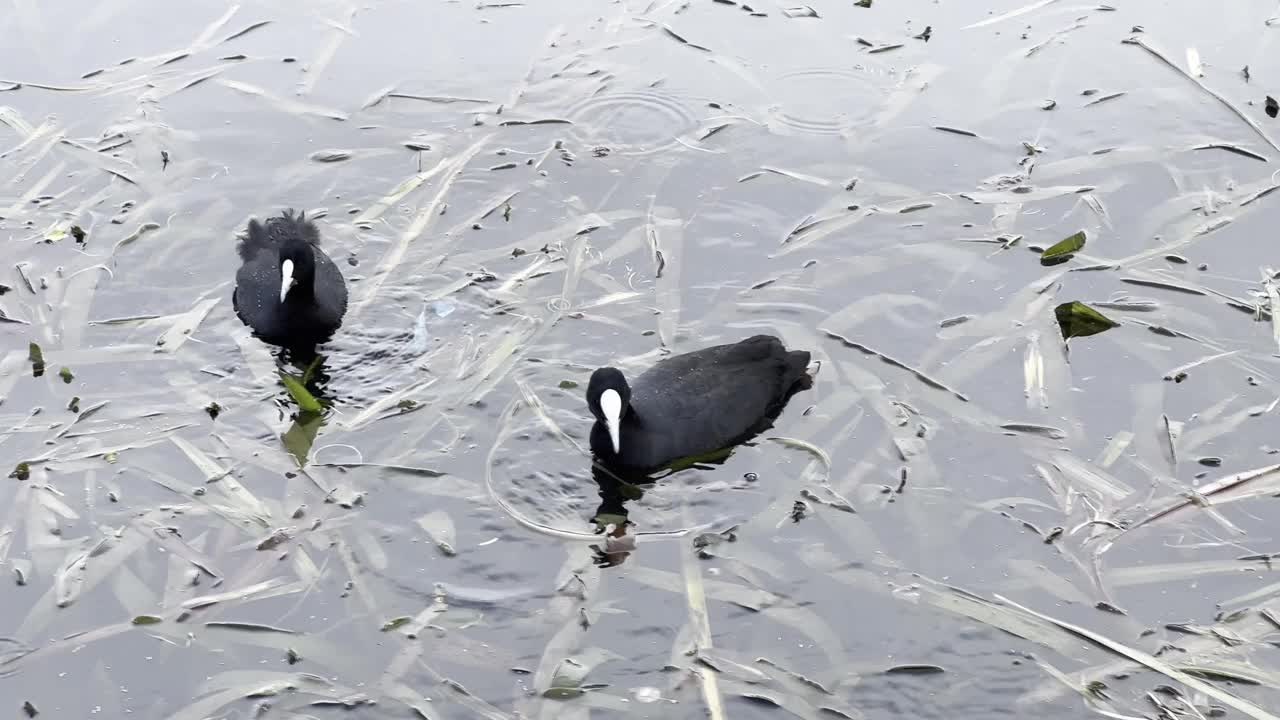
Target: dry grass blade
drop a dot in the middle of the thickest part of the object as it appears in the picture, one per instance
(321, 61)
(245, 30)
(697, 601)
(1232, 148)
(387, 403)
(177, 335)
(821, 455)
(1273, 297)
(68, 581)
(36, 144)
(35, 190)
(1142, 43)
(505, 354)
(267, 588)
(288, 105)
(177, 546)
(540, 409)
(802, 177)
(1165, 439)
(1182, 369)
(1151, 662)
(1094, 702)
(931, 382)
(1259, 195)
(965, 604)
(76, 301)
(1007, 197)
(440, 530)
(667, 250)
(233, 686)
(396, 254)
(80, 573)
(1010, 15)
(1194, 66)
(122, 169)
(1202, 495)
(1083, 475)
(398, 193)
(459, 694)
(1033, 373)
(224, 482)
(206, 36)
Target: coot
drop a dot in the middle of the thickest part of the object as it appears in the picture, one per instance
(287, 289)
(692, 404)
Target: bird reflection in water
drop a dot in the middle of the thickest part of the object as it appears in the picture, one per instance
(617, 487)
(311, 366)
(611, 519)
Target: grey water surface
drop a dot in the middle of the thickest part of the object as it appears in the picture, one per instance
(966, 517)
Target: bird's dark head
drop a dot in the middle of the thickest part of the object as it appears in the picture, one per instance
(297, 270)
(609, 397)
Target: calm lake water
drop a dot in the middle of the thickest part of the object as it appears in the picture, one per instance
(966, 517)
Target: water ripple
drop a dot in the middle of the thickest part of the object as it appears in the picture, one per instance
(827, 101)
(638, 122)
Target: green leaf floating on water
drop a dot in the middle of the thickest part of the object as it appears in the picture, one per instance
(146, 620)
(1062, 250)
(394, 623)
(1079, 320)
(36, 356)
(301, 395)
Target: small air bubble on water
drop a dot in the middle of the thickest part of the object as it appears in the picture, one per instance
(647, 694)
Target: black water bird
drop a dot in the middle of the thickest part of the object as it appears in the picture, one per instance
(692, 404)
(288, 291)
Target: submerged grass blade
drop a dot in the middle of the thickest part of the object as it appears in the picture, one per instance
(696, 599)
(1010, 14)
(177, 335)
(1142, 42)
(419, 226)
(1152, 663)
(926, 379)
